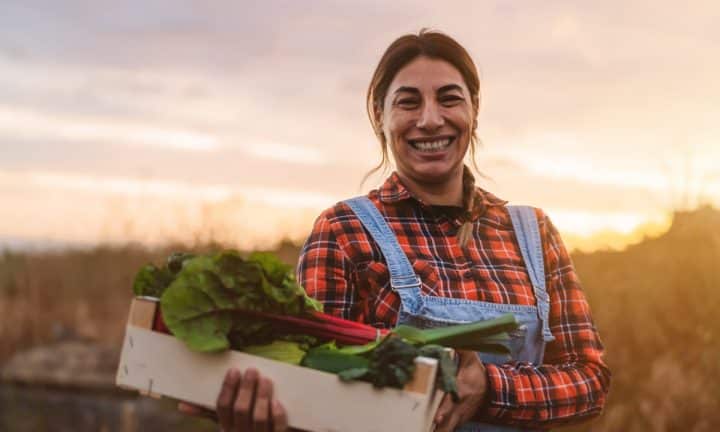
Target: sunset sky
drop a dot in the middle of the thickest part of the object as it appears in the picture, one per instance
(177, 120)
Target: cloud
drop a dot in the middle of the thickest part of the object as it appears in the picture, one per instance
(227, 165)
(86, 209)
(34, 125)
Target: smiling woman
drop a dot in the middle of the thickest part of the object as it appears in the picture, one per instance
(429, 248)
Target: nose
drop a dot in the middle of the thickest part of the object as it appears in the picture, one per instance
(430, 118)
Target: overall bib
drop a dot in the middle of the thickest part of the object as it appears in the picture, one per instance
(527, 343)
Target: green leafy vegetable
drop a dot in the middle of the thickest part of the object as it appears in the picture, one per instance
(218, 301)
(486, 336)
(151, 281)
(328, 358)
(176, 260)
(353, 374)
(447, 367)
(199, 305)
(392, 363)
(388, 363)
(284, 351)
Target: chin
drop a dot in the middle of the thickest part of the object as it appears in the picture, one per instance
(433, 174)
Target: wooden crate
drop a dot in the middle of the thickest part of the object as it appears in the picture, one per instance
(157, 364)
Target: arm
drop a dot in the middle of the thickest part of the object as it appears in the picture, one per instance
(326, 272)
(572, 383)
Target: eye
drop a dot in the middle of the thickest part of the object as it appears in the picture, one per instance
(451, 100)
(407, 103)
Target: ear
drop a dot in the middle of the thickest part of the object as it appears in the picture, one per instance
(380, 131)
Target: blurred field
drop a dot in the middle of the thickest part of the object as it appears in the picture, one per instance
(655, 304)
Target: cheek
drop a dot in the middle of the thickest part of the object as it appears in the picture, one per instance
(463, 120)
(397, 125)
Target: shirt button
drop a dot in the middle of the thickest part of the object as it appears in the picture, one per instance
(468, 274)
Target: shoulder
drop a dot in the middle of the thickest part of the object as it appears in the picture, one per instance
(340, 223)
(341, 214)
(338, 216)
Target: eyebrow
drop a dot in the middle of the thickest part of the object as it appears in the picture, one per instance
(443, 89)
(449, 87)
(405, 89)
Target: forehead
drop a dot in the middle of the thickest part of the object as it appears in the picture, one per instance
(427, 73)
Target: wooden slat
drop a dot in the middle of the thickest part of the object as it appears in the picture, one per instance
(158, 363)
(142, 312)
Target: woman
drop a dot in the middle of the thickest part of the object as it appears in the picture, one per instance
(430, 248)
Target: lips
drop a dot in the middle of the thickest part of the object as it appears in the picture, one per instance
(431, 144)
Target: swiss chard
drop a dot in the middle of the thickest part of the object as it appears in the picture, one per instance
(201, 304)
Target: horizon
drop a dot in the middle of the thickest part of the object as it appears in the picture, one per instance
(603, 241)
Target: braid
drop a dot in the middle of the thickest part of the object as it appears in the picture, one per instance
(465, 231)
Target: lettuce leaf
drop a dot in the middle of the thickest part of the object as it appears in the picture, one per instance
(151, 281)
(198, 304)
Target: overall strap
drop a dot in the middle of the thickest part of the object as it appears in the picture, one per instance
(528, 236)
(402, 275)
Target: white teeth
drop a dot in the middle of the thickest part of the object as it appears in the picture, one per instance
(431, 145)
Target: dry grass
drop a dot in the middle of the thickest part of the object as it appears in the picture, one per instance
(45, 296)
(656, 306)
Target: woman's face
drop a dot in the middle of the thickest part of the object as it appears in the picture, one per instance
(427, 120)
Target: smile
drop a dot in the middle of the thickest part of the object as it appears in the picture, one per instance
(434, 145)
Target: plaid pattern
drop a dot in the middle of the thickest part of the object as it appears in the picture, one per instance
(341, 266)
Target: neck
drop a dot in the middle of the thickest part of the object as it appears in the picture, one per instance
(448, 192)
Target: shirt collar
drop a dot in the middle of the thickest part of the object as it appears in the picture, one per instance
(393, 191)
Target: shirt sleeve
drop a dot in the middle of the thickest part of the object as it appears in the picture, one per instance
(572, 383)
(326, 272)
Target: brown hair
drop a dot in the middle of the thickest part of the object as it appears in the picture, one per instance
(402, 51)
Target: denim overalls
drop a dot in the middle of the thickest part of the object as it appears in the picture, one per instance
(527, 343)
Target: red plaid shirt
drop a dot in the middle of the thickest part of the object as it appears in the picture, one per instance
(343, 267)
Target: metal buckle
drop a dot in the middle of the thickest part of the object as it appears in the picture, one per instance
(417, 283)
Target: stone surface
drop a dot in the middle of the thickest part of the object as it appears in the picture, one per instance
(71, 364)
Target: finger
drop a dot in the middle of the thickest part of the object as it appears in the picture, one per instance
(465, 357)
(189, 409)
(444, 410)
(196, 411)
(261, 411)
(227, 397)
(449, 424)
(279, 416)
(244, 402)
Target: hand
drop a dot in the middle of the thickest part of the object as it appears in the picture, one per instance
(472, 389)
(245, 403)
